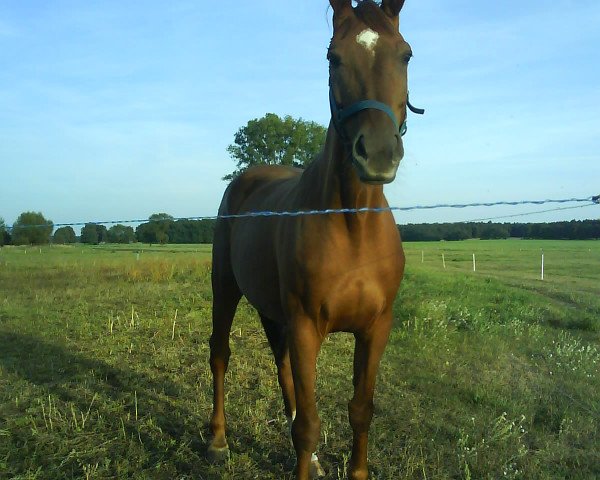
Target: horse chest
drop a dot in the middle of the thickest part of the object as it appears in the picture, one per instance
(344, 290)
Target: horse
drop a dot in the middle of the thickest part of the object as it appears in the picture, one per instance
(311, 275)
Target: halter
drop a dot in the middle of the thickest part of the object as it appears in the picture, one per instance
(340, 115)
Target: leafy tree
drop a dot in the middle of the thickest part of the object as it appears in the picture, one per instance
(273, 140)
(94, 233)
(145, 233)
(163, 228)
(161, 223)
(587, 229)
(161, 217)
(424, 232)
(191, 231)
(519, 230)
(31, 228)
(102, 233)
(89, 234)
(121, 234)
(493, 231)
(456, 231)
(64, 235)
(156, 230)
(4, 235)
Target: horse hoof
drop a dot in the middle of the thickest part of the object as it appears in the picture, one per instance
(316, 471)
(358, 475)
(217, 454)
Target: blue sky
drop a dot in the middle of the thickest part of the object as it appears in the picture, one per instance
(116, 110)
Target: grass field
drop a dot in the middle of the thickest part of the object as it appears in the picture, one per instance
(488, 374)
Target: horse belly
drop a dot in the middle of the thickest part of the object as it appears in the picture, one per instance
(255, 268)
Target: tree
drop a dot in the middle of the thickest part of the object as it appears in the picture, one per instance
(145, 233)
(156, 230)
(490, 231)
(102, 233)
(89, 234)
(191, 231)
(31, 228)
(456, 231)
(272, 140)
(520, 230)
(64, 235)
(94, 233)
(121, 234)
(163, 218)
(4, 235)
(161, 223)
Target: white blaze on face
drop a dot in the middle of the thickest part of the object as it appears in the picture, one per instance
(368, 39)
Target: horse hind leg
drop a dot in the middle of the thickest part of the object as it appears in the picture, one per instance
(277, 341)
(276, 335)
(226, 296)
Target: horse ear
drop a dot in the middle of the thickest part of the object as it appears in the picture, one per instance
(340, 5)
(340, 9)
(392, 8)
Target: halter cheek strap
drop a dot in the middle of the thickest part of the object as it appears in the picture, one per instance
(340, 115)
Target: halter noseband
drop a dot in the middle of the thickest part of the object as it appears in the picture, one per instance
(339, 115)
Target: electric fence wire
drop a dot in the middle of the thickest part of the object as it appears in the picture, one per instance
(529, 213)
(593, 200)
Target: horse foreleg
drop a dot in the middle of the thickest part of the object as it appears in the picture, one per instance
(368, 350)
(304, 346)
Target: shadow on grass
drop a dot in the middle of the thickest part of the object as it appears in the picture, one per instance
(149, 429)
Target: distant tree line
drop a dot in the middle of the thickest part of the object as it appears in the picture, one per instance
(32, 228)
(163, 228)
(432, 232)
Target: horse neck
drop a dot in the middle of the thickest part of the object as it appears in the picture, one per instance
(334, 183)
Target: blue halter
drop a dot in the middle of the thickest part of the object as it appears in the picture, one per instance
(340, 115)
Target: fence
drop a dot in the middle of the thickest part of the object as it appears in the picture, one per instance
(588, 201)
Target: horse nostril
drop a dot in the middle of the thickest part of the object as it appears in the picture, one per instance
(359, 148)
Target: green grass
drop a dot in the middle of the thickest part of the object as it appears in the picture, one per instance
(489, 374)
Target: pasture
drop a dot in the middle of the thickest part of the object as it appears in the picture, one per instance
(488, 374)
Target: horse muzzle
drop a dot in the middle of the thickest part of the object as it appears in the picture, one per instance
(376, 157)
(376, 151)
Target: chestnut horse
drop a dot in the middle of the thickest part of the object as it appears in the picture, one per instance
(310, 275)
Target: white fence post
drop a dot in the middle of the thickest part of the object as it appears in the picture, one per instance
(474, 263)
(542, 264)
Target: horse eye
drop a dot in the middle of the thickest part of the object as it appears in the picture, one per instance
(407, 58)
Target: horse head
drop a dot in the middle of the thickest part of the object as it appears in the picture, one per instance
(368, 64)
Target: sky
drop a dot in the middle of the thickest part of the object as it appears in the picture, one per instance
(114, 110)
